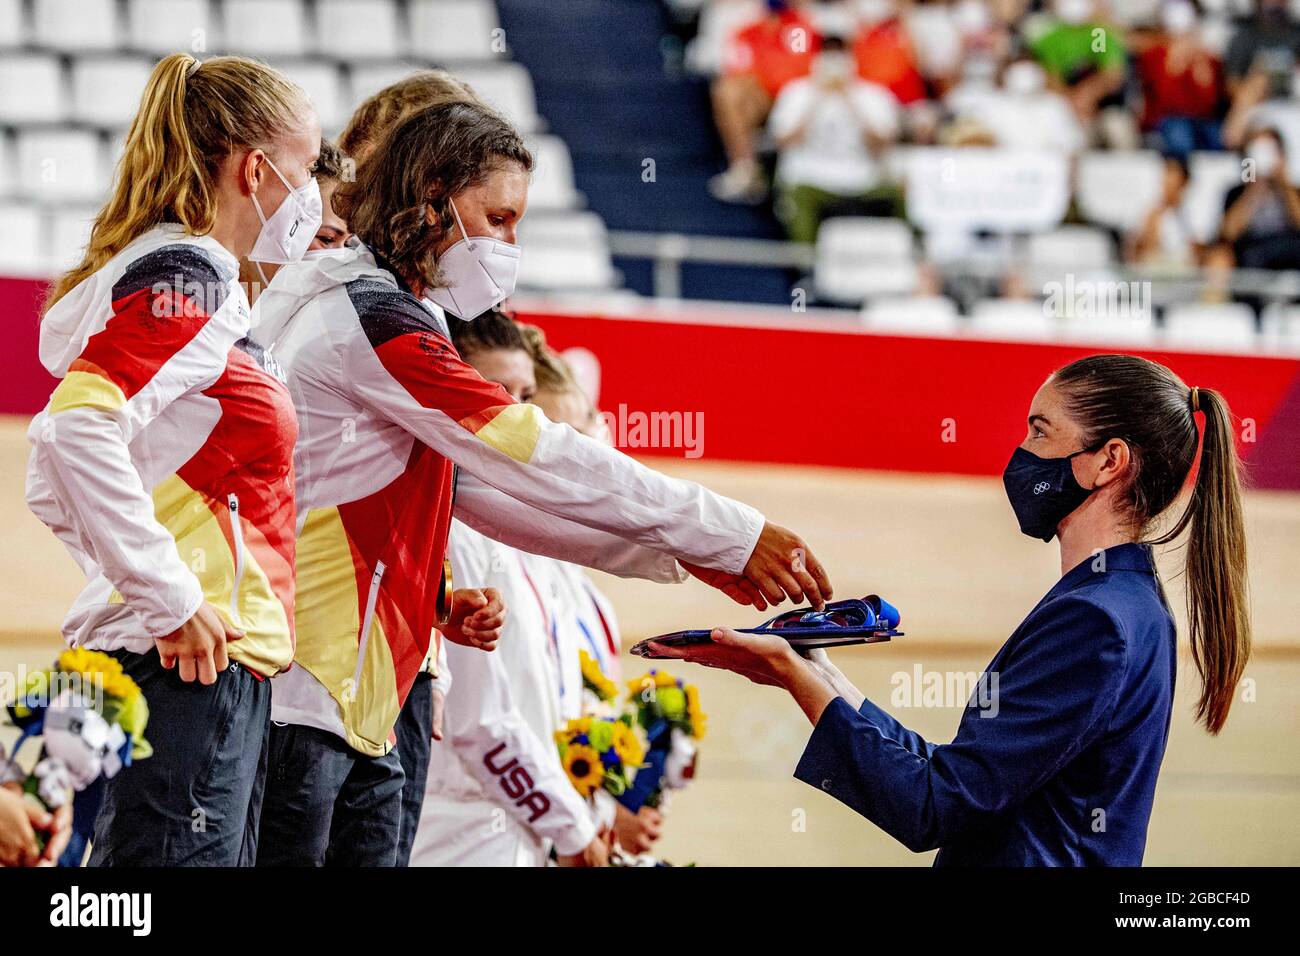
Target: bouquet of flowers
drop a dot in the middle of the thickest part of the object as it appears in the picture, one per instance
(599, 753)
(91, 717)
(668, 712)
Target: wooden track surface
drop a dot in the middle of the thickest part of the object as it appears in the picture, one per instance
(947, 553)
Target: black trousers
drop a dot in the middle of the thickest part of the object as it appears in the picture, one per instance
(326, 804)
(414, 739)
(195, 801)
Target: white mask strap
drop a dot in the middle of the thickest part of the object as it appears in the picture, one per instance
(469, 244)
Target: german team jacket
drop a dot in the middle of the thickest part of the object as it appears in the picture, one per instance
(164, 458)
(386, 409)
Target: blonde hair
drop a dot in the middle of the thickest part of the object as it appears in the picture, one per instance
(381, 112)
(192, 116)
(549, 369)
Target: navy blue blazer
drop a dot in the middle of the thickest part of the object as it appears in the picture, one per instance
(1059, 766)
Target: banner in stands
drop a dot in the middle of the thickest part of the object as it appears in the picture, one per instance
(741, 386)
(975, 188)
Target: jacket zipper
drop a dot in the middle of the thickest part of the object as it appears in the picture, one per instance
(366, 621)
(237, 532)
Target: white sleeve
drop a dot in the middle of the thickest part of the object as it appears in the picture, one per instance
(419, 382)
(790, 108)
(443, 678)
(81, 447)
(498, 516)
(488, 732)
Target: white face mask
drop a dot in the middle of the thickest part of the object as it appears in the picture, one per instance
(286, 235)
(481, 272)
(1265, 155)
(1074, 11)
(1024, 78)
(1179, 17)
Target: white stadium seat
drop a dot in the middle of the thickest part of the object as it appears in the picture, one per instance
(1281, 329)
(265, 28)
(552, 186)
(8, 174)
(31, 88)
(172, 26)
(454, 30)
(76, 24)
(1131, 330)
(369, 78)
(358, 29)
(568, 251)
(1211, 175)
(1013, 319)
(61, 165)
(324, 87)
(106, 90)
(509, 88)
(12, 29)
(926, 315)
(1118, 189)
(1197, 326)
(20, 239)
(858, 258)
(69, 233)
(1071, 248)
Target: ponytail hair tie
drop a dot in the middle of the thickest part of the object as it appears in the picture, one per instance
(1195, 398)
(194, 68)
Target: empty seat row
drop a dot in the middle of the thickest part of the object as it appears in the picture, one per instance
(60, 164)
(1186, 326)
(442, 30)
(104, 89)
(563, 252)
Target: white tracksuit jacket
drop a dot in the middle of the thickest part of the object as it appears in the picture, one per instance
(497, 793)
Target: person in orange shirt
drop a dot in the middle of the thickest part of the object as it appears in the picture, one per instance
(760, 59)
(885, 53)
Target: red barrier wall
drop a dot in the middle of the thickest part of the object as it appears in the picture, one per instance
(835, 396)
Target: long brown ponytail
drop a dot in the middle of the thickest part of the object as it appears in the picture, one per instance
(192, 115)
(1149, 408)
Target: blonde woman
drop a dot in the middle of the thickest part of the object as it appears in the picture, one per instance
(163, 460)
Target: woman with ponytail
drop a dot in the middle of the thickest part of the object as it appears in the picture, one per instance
(163, 460)
(1056, 758)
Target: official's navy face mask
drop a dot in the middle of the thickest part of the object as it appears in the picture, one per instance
(1042, 491)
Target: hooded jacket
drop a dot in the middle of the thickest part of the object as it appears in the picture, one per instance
(385, 407)
(163, 460)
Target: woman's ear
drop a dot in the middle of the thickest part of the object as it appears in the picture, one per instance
(1115, 461)
(252, 171)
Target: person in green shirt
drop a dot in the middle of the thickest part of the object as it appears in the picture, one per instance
(1081, 54)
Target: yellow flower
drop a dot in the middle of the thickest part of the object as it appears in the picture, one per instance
(595, 678)
(696, 716)
(627, 745)
(583, 766)
(101, 669)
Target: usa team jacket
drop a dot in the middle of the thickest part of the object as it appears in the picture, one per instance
(164, 458)
(497, 793)
(385, 407)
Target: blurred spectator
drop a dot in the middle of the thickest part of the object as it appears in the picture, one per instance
(1261, 216)
(831, 129)
(1023, 113)
(884, 51)
(718, 21)
(1264, 49)
(1081, 55)
(1182, 82)
(1165, 240)
(760, 59)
